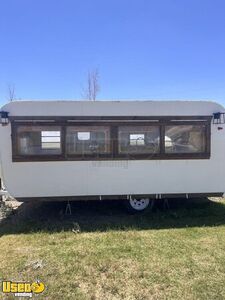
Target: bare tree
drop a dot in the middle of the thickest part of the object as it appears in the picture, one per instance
(93, 87)
(11, 92)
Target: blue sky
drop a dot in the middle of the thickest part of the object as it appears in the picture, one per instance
(143, 49)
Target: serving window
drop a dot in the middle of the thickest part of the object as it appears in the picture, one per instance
(165, 139)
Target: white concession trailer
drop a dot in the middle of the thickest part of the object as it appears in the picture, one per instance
(131, 150)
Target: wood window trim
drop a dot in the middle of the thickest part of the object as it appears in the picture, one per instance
(113, 155)
(67, 119)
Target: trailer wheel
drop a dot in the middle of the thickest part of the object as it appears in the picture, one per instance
(137, 205)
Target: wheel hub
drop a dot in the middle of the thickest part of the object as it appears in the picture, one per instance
(139, 204)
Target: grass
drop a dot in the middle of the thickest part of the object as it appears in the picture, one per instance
(100, 252)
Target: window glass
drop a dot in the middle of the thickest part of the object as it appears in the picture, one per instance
(185, 139)
(39, 140)
(91, 140)
(138, 139)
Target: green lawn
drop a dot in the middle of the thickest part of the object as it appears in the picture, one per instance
(174, 254)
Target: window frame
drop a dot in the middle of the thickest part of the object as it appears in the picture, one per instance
(185, 153)
(134, 156)
(198, 155)
(87, 156)
(113, 123)
(16, 156)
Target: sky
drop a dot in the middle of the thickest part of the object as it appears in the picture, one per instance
(143, 49)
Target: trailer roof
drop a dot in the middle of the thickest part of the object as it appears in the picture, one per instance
(112, 108)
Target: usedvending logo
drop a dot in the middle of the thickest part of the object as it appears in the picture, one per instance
(22, 289)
